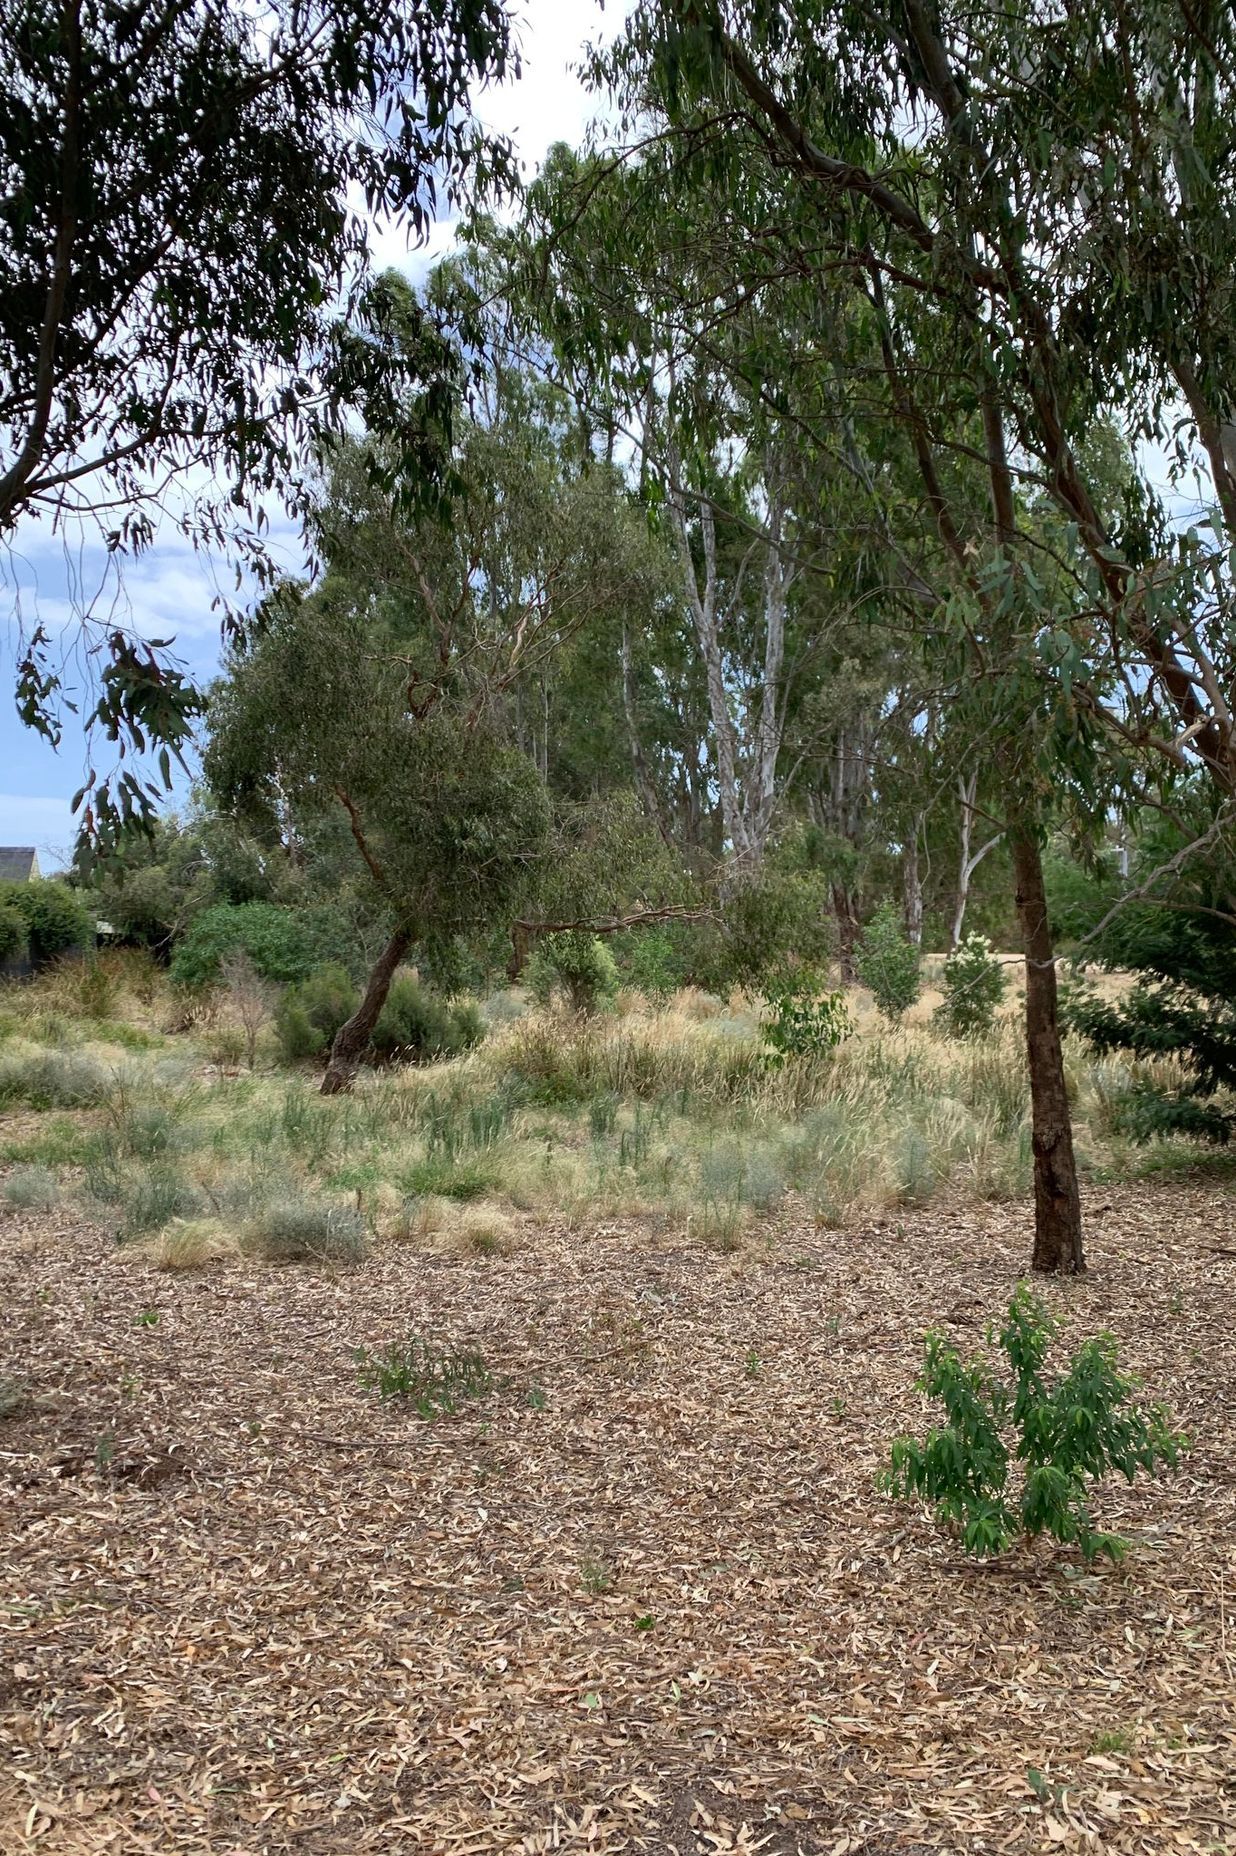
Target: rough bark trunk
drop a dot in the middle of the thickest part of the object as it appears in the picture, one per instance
(352, 1040)
(1057, 1205)
(847, 933)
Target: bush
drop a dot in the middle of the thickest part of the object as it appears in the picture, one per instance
(973, 984)
(52, 1079)
(658, 961)
(307, 1230)
(276, 939)
(415, 1027)
(1181, 1009)
(805, 1024)
(56, 920)
(14, 935)
(154, 1199)
(888, 963)
(308, 1016)
(1068, 1435)
(433, 1383)
(580, 966)
(31, 1189)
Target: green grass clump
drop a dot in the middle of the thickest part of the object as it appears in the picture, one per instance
(60, 1142)
(440, 1176)
(306, 1230)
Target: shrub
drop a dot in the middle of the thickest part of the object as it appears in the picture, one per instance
(580, 966)
(416, 1027)
(249, 999)
(805, 1024)
(153, 1199)
(276, 939)
(973, 984)
(659, 961)
(433, 1383)
(309, 1015)
(306, 1230)
(52, 1079)
(31, 1189)
(56, 919)
(1068, 1435)
(888, 963)
(14, 935)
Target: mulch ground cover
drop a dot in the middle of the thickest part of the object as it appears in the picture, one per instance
(643, 1596)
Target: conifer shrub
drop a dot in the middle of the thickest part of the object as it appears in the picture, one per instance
(1067, 1433)
(14, 936)
(56, 919)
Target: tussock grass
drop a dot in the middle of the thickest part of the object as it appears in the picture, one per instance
(668, 1113)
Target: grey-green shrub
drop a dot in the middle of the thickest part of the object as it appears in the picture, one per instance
(153, 1198)
(52, 1079)
(416, 1027)
(306, 1230)
(579, 966)
(309, 1015)
(31, 1189)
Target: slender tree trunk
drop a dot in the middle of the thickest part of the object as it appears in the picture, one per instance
(1057, 1205)
(352, 1040)
(912, 885)
(846, 916)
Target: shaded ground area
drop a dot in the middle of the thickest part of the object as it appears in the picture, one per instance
(644, 1597)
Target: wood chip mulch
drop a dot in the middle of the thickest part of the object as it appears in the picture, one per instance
(645, 1597)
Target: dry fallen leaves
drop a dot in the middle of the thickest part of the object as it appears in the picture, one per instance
(247, 1609)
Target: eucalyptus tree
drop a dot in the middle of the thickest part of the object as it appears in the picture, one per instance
(396, 694)
(694, 376)
(960, 172)
(185, 291)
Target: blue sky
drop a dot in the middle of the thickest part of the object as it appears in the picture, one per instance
(49, 577)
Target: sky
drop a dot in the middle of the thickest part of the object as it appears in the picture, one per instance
(168, 592)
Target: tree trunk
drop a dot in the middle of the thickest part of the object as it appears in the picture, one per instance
(847, 933)
(912, 885)
(352, 1040)
(1057, 1206)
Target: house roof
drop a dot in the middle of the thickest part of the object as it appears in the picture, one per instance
(18, 863)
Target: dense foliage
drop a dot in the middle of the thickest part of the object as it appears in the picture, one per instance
(56, 919)
(888, 963)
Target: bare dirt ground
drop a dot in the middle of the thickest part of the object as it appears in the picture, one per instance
(645, 1597)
